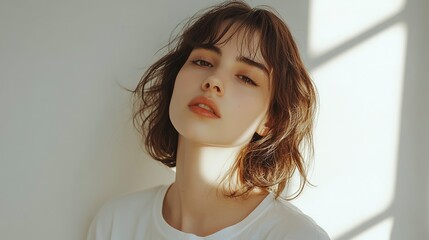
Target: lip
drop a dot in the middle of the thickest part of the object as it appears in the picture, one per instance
(203, 100)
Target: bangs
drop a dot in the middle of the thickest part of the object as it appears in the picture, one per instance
(217, 29)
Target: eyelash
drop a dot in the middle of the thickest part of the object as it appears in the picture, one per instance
(247, 80)
(203, 63)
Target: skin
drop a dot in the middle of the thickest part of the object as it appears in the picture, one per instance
(208, 146)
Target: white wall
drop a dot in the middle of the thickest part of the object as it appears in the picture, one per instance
(67, 142)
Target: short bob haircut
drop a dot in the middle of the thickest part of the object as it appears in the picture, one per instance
(266, 162)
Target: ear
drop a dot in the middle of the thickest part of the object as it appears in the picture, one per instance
(264, 126)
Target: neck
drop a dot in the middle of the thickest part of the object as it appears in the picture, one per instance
(199, 171)
(195, 197)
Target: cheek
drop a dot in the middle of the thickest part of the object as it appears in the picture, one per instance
(249, 103)
(247, 113)
(183, 92)
(186, 80)
(180, 86)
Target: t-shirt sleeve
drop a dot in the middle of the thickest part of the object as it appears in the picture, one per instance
(314, 234)
(292, 224)
(309, 233)
(119, 217)
(101, 225)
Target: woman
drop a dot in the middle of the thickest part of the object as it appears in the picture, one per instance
(230, 106)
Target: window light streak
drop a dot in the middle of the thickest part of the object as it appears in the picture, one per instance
(357, 132)
(333, 22)
(380, 231)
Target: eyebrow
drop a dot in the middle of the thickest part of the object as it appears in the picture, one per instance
(242, 59)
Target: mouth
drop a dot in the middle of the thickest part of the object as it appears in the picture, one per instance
(205, 107)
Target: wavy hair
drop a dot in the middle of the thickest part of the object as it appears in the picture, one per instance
(266, 162)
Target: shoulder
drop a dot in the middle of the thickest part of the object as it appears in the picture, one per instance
(124, 212)
(289, 222)
(133, 201)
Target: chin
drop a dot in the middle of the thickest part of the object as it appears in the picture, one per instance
(199, 134)
(209, 133)
(211, 138)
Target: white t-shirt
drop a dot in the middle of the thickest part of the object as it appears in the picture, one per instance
(138, 216)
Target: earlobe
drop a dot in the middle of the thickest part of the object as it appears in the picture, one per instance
(263, 128)
(263, 131)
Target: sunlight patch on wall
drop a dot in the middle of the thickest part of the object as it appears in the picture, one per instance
(333, 22)
(357, 132)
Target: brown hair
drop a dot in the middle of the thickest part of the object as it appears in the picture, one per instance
(267, 162)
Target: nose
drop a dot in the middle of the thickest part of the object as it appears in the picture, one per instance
(213, 83)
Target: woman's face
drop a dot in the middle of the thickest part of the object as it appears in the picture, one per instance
(221, 94)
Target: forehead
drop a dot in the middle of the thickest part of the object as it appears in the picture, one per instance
(246, 39)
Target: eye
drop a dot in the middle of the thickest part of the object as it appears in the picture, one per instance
(246, 80)
(202, 63)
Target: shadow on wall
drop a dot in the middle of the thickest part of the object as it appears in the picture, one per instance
(409, 206)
